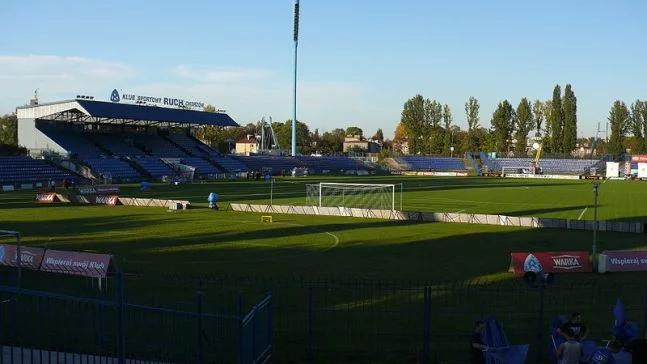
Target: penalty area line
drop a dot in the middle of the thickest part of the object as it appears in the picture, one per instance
(582, 213)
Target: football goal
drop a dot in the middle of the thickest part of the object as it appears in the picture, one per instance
(358, 195)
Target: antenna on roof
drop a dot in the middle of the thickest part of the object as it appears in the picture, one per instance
(34, 101)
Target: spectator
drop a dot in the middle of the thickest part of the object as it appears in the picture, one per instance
(570, 351)
(575, 327)
(602, 356)
(619, 355)
(638, 349)
(477, 346)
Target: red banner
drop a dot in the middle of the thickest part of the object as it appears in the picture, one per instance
(77, 263)
(640, 158)
(550, 262)
(29, 257)
(623, 261)
(47, 197)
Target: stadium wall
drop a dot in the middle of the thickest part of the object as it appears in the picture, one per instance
(520, 221)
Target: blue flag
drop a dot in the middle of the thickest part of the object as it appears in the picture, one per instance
(619, 312)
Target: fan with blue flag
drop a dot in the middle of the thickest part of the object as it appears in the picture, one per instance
(622, 330)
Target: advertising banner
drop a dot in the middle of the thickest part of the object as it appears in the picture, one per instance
(98, 190)
(106, 200)
(639, 158)
(76, 263)
(550, 262)
(613, 169)
(623, 261)
(642, 170)
(107, 189)
(29, 257)
(46, 197)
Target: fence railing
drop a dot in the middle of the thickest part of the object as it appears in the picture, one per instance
(305, 319)
(345, 320)
(49, 326)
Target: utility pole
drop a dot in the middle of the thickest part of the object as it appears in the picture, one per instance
(594, 249)
(294, 110)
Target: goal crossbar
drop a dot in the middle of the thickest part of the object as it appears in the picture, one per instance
(359, 195)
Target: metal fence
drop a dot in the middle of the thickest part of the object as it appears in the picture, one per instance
(41, 326)
(333, 320)
(327, 320)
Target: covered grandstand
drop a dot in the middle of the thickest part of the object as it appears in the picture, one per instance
(129, 143)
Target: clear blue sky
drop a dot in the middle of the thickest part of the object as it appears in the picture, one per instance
(359, 60)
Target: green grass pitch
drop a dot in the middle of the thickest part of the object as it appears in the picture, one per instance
(156, 243)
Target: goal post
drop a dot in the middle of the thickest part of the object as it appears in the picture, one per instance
(358, 195)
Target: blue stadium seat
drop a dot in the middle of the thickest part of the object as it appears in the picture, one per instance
(201, 166)
(154, 166)
(16, 170)
(115, 168)
(557, 166)
(431, 163)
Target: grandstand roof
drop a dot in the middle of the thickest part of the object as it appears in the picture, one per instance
(110, 111)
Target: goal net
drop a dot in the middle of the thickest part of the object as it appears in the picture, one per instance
(358, 195)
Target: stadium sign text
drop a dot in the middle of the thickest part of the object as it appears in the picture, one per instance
(622, 261)
(550, 262)
(115, 96)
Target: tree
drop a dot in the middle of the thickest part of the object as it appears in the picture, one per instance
(637, 123)
(502, 124)
(538, 116)
(524, 123)
(283, 133)
(447, 121)
(332, 142)
(9, 129)
(546, 139)
(569, 111)
(472, 115)
(399, 137)
(618, 121)
(556, 121)
(379, 135)
(432, 131)
(413, 117)
(354, 131)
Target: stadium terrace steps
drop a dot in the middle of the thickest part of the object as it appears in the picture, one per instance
(229, 164)
(117, 144)
(153, 166)
(158, 146)
(201, 166)
(112, 167)
(566, 166)
(16, 170)
(335, 164)
(72, 140)
(189, 144)
(431, 163)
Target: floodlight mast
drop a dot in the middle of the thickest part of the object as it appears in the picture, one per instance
(294, 105)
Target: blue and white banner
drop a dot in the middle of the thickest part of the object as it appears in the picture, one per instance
(116, 96)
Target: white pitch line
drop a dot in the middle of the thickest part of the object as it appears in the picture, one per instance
(459, 211)
(582, 214)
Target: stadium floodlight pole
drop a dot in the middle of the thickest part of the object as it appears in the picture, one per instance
(294, 110)
(594, 249)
